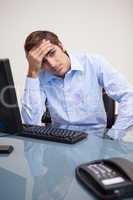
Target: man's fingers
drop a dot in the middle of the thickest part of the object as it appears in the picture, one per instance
(41, 53)
(42, 49)
(36, 54)
(45, 45)
(35, 49)
(46, 50)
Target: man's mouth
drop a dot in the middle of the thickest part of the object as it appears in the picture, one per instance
(58, 69)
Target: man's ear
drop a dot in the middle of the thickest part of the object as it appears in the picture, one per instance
(61, 46)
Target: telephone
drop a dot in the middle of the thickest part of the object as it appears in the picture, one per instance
(108, 178)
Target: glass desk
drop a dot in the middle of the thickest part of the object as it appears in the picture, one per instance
(44, 170)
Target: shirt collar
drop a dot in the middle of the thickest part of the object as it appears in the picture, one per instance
(75, 66)
(75, 63)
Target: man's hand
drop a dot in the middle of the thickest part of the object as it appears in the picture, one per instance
(35, 57)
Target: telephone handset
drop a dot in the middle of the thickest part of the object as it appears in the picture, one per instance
(108, 178)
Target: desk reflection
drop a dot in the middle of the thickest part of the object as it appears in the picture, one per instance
(52, 174)
(52, 165)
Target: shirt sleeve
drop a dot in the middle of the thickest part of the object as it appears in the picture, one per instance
(33, 102)
(117, 87)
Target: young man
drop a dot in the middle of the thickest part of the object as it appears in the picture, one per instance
(72, 85)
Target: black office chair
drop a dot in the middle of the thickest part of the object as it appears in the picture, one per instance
(46, 118)
(109, 105)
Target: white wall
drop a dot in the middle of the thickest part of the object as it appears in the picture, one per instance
(104, 27)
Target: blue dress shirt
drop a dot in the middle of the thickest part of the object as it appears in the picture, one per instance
(77, 99)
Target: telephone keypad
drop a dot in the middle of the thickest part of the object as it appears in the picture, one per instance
(102, 172)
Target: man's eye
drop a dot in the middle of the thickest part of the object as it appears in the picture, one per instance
(44, 61)
(51, 53)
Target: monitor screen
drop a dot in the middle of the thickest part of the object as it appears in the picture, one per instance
(10, 118)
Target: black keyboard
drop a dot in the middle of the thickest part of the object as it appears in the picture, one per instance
(53, 134)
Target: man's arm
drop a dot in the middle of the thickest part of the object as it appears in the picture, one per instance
(33, 101)
(118, 88)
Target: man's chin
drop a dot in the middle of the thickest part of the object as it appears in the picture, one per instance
(60, 73)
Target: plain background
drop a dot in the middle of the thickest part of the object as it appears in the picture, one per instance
(102, 27)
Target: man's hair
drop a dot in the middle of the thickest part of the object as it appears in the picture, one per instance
(36, 37)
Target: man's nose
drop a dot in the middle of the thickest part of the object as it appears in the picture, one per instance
(52, 62)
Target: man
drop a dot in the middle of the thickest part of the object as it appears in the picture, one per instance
(72, 85)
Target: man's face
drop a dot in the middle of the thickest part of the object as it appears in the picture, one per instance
(56, 61)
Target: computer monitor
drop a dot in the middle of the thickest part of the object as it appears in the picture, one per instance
(10, 118)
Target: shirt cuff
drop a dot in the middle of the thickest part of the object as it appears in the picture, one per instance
(116, 134)
(32, 84)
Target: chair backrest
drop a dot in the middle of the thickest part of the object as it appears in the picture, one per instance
(46, 118)
(109, 105)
